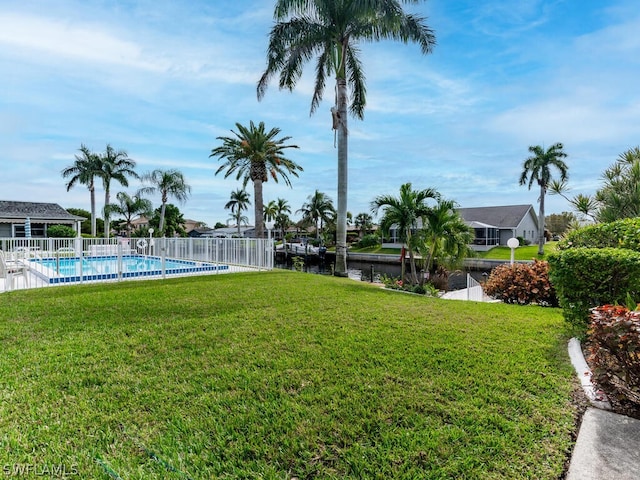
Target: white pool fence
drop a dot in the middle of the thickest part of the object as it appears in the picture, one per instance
(46, 258)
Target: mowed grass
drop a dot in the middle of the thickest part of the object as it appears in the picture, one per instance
(527, 252)
(280, 375)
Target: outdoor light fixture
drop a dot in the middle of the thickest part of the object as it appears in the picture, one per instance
(513, 243)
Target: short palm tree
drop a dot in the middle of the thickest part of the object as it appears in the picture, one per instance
(537, 168)
(319, 210)
(86, 167)
(255, 154)
(331, 30)
(364, 223)
(403, 213)
(444, 236)
(282, 218)
(130, 207)
(116, 165)
(168, 183)
(270, 211)
(239, 201)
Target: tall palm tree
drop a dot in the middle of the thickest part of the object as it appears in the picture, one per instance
(86, 167)
(444, 235)
(130, 207)
(403, 212)
(537, 168)
(116, 165)
(239, 201)
(331, 30)
(364, 223)
(255, 154)
(168, 183)
(318, 209)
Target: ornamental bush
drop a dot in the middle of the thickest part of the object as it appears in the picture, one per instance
(60, 231)
(368, 241)
(623, 233)
(522, 284)
(614, 335)
(585, 278)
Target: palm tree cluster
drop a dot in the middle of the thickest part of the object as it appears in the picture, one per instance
(116, 165)
(434, 231)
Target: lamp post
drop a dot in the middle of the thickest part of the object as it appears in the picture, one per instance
(513, 243)
(151, 230)
(270, 224)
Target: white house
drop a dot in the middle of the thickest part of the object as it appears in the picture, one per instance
(493, 226)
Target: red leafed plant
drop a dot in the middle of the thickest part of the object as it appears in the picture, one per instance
(614, 337)
(522, 284)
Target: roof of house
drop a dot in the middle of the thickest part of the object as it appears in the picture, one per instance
(10, 210)
(507, 216)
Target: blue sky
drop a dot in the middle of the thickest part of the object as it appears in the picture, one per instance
(162, 79)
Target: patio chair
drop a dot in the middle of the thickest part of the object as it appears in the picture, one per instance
(9, 270)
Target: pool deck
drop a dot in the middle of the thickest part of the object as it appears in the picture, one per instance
(36, 281)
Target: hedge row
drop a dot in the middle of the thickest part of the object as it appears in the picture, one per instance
(619, 234)
(588, 277)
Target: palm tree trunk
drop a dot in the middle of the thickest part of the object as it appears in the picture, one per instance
(341, 227)
(107, 198)
(161, 224)
(258, 208)
(541, 221)
(92, 191)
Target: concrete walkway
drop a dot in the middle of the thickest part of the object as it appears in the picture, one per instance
(608, 444)
(608, 447)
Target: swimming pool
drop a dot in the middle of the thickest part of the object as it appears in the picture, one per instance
(76, 269)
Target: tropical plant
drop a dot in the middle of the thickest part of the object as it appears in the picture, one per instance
(255, 154)
(537, 168)
(86, 167)
(61, 231)
(168, 183)
(318, 210)
(238, 202)
(364, 223)
(282, 218)
(173, 221)
(116, 165)
(403, 213)
(130, 207)
(270, 211)
(444, 236)
(86, 224)
(332, 30)
(619, 197)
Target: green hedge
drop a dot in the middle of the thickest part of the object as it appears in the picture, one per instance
(588, 277)
(619, 234)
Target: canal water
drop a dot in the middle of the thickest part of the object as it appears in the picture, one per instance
(365, 271)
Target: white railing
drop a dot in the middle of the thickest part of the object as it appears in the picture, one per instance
(474, 289)
(70, 260)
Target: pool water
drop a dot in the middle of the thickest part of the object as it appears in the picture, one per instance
(73, 269)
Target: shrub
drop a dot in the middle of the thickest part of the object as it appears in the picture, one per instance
(60, 231)
(614, 336)
(623, 233)
(368, 241)
(587, 277)
(522, 284)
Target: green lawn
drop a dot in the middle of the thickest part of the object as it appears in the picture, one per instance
(528, 252)
(280, 375)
